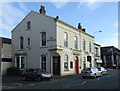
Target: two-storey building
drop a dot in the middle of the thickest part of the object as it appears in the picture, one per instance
(41, 41)
(5, 54)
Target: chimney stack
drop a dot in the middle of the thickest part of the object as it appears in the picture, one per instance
(42, 10)
(79, 26)
(84, 30)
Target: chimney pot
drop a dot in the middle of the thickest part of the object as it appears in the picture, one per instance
(42, 10)
(84, 30)
(79, 26)
(57, 17)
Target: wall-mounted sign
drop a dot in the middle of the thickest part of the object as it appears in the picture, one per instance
(99, 61)
(5, 55)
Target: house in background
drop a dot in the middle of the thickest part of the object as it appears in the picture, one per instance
(41, 41)
(110, 56)
(98, 61)
(6, 54)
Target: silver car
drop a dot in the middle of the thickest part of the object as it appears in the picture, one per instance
(103, 70)
(91, 72)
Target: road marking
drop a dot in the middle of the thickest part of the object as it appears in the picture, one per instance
(84, 82)
(108, 76)
(75, 84)
(98, 78)
(31, 84)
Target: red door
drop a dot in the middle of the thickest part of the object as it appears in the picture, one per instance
(76, 67)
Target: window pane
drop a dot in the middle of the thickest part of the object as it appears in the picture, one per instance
(43, 38)
(21, 42)
(28, 25)
(89, 46)
(75, 42)
(43, 62)
(28, 41)
(84, 44)
(71, 64)
(66, 61)
(66, 39)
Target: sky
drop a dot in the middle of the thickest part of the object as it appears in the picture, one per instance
(93, 16)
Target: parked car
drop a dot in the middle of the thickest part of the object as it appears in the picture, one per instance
(103, 70)
(36, 74)
(91, 72)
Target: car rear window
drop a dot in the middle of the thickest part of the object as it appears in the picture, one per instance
(87, 69)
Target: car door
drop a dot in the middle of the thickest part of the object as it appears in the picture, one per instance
(98, 72)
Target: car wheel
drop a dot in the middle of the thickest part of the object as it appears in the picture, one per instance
(95, 75)
(24, 78)
(48, 79)
(39, 78)
(83, 77)
(101, 74)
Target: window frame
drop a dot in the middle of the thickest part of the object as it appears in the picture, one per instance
(43, 39)
(66, 67)
(28, 25)
(65, 39)
(90, 46)
(21, 43)
(84, 45)
(43, 62)
(76, 42)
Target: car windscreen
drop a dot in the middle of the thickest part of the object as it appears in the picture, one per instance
(40, 70)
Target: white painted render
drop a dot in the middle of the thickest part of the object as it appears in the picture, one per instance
(55, 42)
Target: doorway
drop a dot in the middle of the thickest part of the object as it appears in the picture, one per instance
(76, 66)
(56, 65)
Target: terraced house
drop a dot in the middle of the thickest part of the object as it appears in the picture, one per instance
(41, 41)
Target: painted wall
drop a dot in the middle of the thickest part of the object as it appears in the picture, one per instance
(39, 23)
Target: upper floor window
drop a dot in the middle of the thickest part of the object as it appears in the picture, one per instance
(65, 39)
(75, 42)
(84, 48)
(66, 61)
(28, 25)
(96, 51)
(43, 39)
(90, 46)
(28, 41)
(21, 42)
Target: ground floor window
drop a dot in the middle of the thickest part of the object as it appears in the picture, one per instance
(43, 62)
(84, 62)
(66, 61)
(71, 64)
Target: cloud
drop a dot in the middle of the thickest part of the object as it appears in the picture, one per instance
(59, 4)
(10, 17)
(92, 5)
(23, 7)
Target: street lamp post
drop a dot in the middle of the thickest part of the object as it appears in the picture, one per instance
(95, 33)
(94, 45)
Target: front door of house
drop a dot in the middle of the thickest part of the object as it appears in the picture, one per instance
(21, 62)
(76, 66)
(56, 65)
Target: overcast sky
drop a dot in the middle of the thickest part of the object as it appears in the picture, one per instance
(93, 16)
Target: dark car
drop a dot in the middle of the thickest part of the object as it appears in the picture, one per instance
(36, 74)
(103, 70)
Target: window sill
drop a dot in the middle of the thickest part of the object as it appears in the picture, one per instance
(66, 70)
(42, 46)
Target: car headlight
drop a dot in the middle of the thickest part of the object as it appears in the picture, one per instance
(46, 75)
